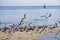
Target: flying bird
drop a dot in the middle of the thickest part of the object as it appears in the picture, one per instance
(24, 15)
(49, 15)
(46, 16)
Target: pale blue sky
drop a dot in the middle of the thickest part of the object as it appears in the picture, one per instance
(28, 2)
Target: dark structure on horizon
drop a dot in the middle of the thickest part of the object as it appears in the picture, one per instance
(44, 6)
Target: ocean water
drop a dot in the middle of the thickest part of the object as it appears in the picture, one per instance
(13, 14)
(51, 37)
(27, 7)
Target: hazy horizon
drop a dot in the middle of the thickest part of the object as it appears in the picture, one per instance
(29, 2)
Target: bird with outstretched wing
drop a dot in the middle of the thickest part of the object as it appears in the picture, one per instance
(46, 16)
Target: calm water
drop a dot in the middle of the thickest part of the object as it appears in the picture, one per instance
(51, 37)
(27, 7)
(13, 14)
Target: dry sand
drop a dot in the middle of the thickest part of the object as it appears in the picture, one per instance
(31, 35)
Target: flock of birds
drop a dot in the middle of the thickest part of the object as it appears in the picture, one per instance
(26, 28)
(19, 27)
(14, 28)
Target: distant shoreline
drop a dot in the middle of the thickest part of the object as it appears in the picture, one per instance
(27, 7)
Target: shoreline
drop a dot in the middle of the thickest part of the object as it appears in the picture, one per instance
(30, 35)
(27, 32)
